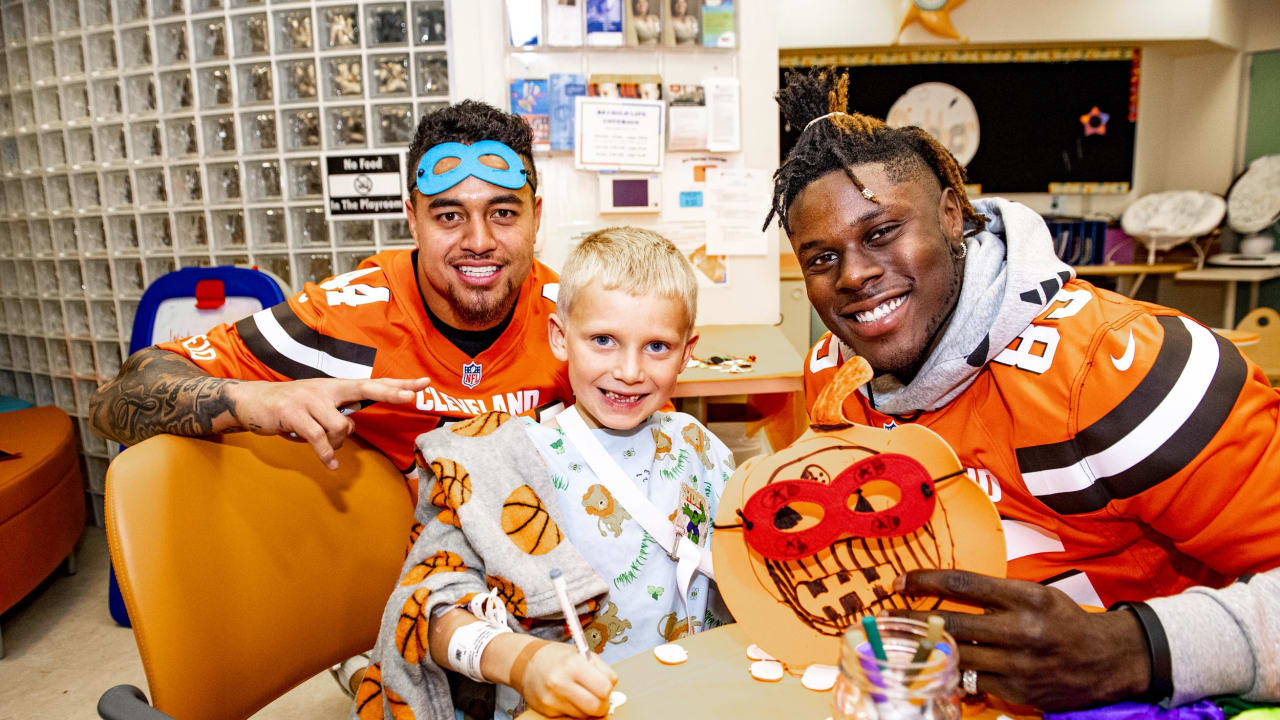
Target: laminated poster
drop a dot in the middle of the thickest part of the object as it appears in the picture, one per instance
(683, 28)
(687, 117)
(524, 20)
(529, 100)
(564, 23)
(718, 24)
(644, 23)
(640, 87)
(604, 22)
(618, 134)
(564, 88)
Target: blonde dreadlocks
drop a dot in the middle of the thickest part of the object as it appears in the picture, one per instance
(835, 139)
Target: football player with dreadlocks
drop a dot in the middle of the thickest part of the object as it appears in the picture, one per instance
(1133, 454)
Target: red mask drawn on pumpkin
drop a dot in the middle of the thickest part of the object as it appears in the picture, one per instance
(851, 554)
(774, 527)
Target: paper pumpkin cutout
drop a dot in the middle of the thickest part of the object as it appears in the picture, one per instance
(797, 607)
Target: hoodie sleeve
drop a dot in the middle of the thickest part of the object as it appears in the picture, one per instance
(1224, 642)
(1191, 452)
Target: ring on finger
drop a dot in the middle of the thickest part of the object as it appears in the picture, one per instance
(969, 681)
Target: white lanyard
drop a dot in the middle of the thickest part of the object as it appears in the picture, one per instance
(688, 556)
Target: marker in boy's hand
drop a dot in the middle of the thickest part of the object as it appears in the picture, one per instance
(559, 681)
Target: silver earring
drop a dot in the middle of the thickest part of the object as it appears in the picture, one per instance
(964, 250)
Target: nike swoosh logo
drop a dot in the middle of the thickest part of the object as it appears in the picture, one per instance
(1123, 362)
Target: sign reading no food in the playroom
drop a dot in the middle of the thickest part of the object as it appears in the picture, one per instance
(364, 186)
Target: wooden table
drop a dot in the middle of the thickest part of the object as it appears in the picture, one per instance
(778, 367)
(716, 683)
(1133, 274)
(1230, 276)
(776, 379)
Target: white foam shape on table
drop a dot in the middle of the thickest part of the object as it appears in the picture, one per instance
(616, 700)
(1253, 203)
(1167, 219)
(819, 677)
(767, 670)
(670, 654)
(755, 652)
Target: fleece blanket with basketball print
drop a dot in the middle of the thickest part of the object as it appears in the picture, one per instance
(500, 504)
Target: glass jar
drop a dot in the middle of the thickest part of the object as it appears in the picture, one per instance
(896, 688)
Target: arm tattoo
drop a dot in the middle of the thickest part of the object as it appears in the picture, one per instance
(158, 391)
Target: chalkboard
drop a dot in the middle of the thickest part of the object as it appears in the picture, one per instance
(1038, 128)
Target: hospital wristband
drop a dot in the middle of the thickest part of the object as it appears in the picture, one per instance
(467, 644)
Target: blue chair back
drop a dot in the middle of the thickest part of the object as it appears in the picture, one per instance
(237, 282)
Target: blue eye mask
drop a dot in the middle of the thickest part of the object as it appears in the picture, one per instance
(432, 183)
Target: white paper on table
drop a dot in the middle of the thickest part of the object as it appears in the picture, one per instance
(564, 23)
(724, 115)
(734, 197)
(684, 184)
(618, 134)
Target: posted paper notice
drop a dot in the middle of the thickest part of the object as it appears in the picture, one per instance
(733, 200)
(618, 134)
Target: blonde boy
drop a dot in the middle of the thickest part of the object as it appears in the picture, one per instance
(503, 500)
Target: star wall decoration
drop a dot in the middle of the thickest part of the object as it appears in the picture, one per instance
(934, 16)
(1095, 122)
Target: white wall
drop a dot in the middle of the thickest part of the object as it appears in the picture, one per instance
(1200, 141)
(870, 23)
(1190, 88)
(482, 68)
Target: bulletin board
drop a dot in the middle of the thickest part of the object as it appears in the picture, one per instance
(1047, 120)
(562, 46)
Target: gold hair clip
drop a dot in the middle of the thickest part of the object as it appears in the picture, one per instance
(868, 194)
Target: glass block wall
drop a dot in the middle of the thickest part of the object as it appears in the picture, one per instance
(141, 136)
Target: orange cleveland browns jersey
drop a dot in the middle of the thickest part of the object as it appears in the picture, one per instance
(371, 323)
(1130, 451)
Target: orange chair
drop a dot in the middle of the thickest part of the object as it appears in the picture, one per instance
(1265, 322)
(41, 499)
(247, 567)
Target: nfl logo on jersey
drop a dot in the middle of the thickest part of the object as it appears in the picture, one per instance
(471, 374)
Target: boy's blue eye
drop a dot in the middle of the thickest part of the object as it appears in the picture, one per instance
(657, 346)
(601, 340)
